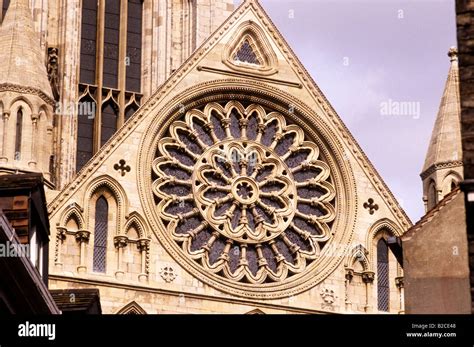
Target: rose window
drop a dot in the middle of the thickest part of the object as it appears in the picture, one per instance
(244, 194)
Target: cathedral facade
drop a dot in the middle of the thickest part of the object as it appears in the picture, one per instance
(192, 164)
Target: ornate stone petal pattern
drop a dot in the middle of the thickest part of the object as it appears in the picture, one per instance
(244, 194)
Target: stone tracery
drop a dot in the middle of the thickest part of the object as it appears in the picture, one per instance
(245, 195)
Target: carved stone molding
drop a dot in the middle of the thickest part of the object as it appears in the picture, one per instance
(60, 237)
(371, 206)
(120, 241)
(83, 235)
(53, 74)
(231, 175)
(368, 276)
(168, 274)
(26, 90)
(144, 244)
(249, 41)
(439, 166)
(144, 247)
(328, 295)
(201, 198)
(349, 274)
(399, 282)
(122, 167)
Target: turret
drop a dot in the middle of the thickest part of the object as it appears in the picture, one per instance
(443, 169)
(26, 99)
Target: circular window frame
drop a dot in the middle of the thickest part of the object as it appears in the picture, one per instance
(315, 129)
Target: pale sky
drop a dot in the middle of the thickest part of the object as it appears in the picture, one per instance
(368, 52)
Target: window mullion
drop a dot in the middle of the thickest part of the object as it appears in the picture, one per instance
(99, 73)
(121, 61)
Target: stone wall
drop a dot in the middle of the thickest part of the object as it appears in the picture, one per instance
(435, 261)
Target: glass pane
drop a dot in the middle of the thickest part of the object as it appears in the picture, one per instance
(111, 43)
(100, 235)
(19, 128)
(382, 276)
(134, 45)
(109, 122)
(88, 41)
(85, 130)
(246, 54)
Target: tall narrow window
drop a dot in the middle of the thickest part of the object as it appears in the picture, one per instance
(100, 234)
(432, 196)
(88, 41)
(109, 122)
(110, 66)
(383, 290)
(19, 127)
(85, 131)
(134, 45)
(111, 43)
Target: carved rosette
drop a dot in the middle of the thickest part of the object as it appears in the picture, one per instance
(242, 193)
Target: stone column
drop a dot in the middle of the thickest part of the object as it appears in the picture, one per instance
(348, 278)
(34, 138)
(368, 279)
(4, 155)
(144, 247)
(120, 243)
(400, 285)
(82, 236)
(60, 237)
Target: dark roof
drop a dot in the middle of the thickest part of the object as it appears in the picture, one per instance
(22, 181)
(31, 184)
(86, 301)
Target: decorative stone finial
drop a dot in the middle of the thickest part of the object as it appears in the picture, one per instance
(453, 54)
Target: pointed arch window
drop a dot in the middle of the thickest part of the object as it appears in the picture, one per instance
(100, 235)
(383, 289)
(85, 130)
(19, 128)
(110, 66)
(432, 196)
(109, 121)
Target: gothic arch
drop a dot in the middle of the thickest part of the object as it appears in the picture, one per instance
(106, 181)
(19, 100)
(358, 254)
(382, 228)
(135, 219)
(19, 128)
(132, 308)
(259, 44)
(73, 211)
(432, 194)
(44, 110)
(449, 178)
